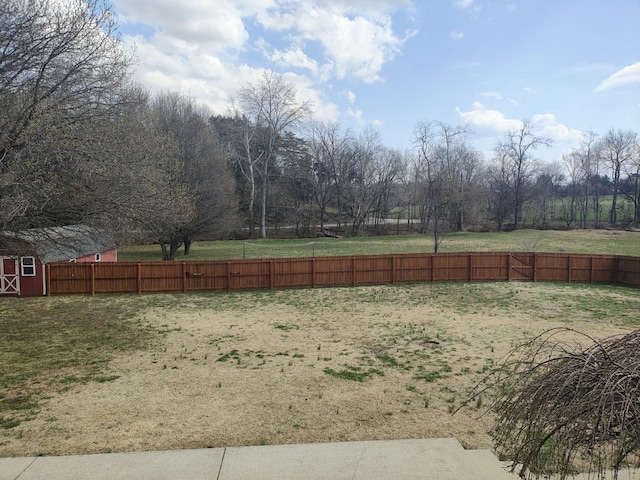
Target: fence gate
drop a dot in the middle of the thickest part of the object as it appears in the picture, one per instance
(9, 278)
(521, 266)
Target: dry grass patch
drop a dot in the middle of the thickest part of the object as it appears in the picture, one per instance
(272, 367)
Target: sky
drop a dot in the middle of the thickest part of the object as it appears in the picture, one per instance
(568, 66)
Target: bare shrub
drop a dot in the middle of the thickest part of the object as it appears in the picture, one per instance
(563, 406)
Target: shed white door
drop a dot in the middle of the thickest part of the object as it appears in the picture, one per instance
(9, 278)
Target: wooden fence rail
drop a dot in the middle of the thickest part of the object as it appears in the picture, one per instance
(274, 273)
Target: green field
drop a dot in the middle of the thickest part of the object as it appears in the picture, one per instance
(609, 242)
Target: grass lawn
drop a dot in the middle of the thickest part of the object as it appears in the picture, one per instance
(153, 372)
(574, 241)
(82, 374)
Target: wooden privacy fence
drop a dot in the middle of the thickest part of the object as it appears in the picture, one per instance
(155, 277)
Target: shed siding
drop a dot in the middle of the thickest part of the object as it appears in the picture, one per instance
(32, 286)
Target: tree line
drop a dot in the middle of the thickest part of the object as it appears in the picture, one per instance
(81, 143)
(322, 174)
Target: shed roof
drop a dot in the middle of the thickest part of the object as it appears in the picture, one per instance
(57, 244)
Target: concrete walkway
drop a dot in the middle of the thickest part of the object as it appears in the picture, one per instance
(425, 459)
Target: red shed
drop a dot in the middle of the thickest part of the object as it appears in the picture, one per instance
(24, 254)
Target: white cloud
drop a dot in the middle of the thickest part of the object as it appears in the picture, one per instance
(356, 115)
(548, 126)
(356, 42)
(372, 6)
(456, 34)
(360, 48)
(562, 133)
(218, 25)
(294, 57)
(487, 120)
(464, 3)
(323, 110)
(629, 74)
(199, 47)
(543, 119)
(496, 95)
(468, 5)
(350, 96)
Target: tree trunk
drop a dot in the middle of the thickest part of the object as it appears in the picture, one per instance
(170, 248)
(173, 249)
(613, 214)
(436, 233)
(252, 217)
(460, 220)
(263, 211)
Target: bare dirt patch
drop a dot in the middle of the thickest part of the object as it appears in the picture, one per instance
(250, 368)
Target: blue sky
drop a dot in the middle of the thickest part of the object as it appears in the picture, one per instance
(569, 66)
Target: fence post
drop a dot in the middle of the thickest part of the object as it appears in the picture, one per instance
(139, 274)
(48, 270)
(535, 266)
(353, 271)
(228, 276)
(591, 270)
(569, 268)
(184, 277)
(271, 274)
(393, 269)
(471, 267)
(509, 267)
(93, 279)
(313, 272)
(433, 267)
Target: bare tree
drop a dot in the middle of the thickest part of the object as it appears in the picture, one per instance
(590, 166)
(63, 81)
(240, 140)
(60, 63)
(427, 176)
(572, 162)
(407, 194)
(197, 175)
(294, 186)
(332, 151)
(632, 192)
(546, 192)
(516, 153)
(271, 105)
(390, 174)
(460, 162)
(617, 149)
(501, 179)
(362, 192)
(446, 168)
(583, 166)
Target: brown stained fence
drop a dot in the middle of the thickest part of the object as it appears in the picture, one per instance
(221, 275)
